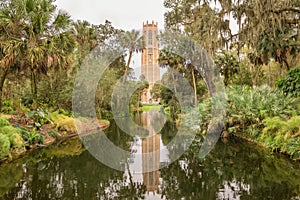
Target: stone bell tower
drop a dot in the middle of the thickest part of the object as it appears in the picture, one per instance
(150, 66)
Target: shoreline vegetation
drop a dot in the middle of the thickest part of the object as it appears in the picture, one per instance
(261, 115)
(26, 134)
(18, 139)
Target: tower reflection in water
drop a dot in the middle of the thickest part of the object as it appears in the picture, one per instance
(151, 153)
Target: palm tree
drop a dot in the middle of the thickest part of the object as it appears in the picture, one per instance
(46, 37)
(86, 38)
(10, 43)
(132, 42)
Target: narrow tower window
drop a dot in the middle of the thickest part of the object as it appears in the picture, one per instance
(150, 38)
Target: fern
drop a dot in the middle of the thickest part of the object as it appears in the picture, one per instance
(14, 136)
(4, 146)
(3, 122)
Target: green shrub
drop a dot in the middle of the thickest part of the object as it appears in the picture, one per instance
(39, 117)
(282, 135)
(265, 115)
(14, 136)
(65, 112)
(63, 123)
(278, 126)
(4, 146)
(7, 106)
(10, 137)
(274, 126)
(228, 66)
(291, 83)
(32, 137)
(3, 122)
(249, 105)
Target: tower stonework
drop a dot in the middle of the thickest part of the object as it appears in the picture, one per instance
(150, 66)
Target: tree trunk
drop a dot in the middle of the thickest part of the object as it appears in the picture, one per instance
(269, 74)
(239, 46)
(34, 88)
(127, 66)
(286, 64)
(174, 85)
(2, 80)
(195, 86)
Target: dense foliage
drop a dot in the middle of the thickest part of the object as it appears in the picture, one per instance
(291, 83)
(13, 139)
(265, 115)
(41, 51)
(253, 43)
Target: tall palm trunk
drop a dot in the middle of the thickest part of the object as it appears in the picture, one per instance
(34, 87)
(195, 86)
(2, 80)
(174, 83)
(127, 66)
(239, 29)
(269, 74)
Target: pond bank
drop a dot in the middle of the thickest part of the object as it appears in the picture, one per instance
(234, 168)
(261, 145)
(22, 139)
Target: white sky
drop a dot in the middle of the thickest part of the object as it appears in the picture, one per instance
(124, 14)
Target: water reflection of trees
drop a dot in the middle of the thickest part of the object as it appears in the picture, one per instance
(232, 169)
(51, 175)
(253, 174)
(81, 177)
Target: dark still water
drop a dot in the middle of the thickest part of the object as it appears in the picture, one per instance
(233, 170)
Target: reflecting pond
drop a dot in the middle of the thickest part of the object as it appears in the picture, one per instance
(234, 169)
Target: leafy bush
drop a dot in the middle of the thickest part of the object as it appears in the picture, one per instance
(13, 134)
(39, 117)
(7, 107)
(9, 138)
(32, 137)
(62, 122)
(291, 83)
(65, 112)
(3, 122)
(262, 113)
(4, 146)
(249, 106)
(228, 66)
(282, 135)
(19, 136)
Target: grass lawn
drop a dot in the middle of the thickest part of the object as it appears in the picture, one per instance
(150, 108)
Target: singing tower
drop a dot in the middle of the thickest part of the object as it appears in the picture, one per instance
(150, 66)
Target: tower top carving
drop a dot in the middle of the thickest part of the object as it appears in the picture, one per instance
(152, 24)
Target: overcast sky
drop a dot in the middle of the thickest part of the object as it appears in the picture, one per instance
(124, 14)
